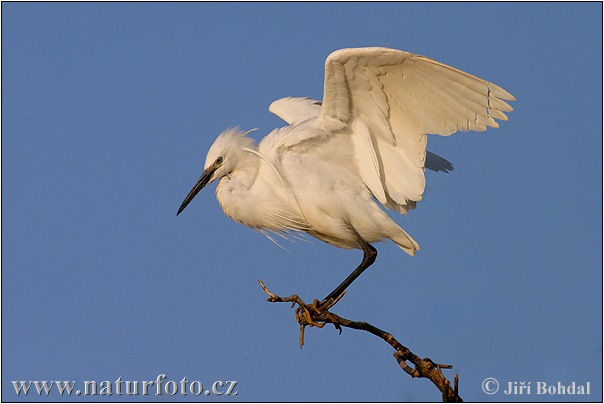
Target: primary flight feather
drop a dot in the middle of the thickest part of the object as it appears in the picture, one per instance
(363, 146)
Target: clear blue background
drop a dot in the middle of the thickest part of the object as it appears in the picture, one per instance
(108, 110)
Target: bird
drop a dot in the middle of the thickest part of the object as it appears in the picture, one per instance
(339, 164)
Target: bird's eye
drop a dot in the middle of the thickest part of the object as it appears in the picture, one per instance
(219, 160)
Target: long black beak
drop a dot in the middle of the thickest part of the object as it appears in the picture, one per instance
(201, 182)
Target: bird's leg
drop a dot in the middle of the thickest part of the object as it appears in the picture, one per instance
(317, 313)
(369, 255)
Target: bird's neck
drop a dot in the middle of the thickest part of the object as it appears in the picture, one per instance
(235, 191)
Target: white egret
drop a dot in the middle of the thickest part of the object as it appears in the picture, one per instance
(327, 173)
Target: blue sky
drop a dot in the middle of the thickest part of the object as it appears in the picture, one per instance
(108, 110)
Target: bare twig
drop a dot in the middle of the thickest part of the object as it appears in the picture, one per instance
(314, 315)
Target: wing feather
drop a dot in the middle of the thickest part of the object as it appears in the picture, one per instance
(367, 160)
(294, 110)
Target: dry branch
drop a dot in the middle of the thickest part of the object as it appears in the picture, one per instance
(315, 316)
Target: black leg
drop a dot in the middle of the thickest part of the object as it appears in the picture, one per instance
(369, 255)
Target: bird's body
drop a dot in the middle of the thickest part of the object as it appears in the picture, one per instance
(327, 173)
(265, 191)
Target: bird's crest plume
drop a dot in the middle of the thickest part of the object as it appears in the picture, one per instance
(231, 141)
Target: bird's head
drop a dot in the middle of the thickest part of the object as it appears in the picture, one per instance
(227, 151)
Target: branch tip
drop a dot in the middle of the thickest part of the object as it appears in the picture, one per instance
(317, 315)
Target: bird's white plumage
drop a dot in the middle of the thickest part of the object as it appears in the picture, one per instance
(366, 140)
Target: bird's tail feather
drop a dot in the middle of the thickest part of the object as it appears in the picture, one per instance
(405, 242)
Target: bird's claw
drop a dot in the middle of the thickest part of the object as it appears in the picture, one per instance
(314, 315)
(323, 309)
(308, 315)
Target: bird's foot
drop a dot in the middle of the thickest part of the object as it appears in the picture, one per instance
(308, 315)
(314, 315)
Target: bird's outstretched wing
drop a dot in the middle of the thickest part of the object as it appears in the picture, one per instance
(388, 100)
